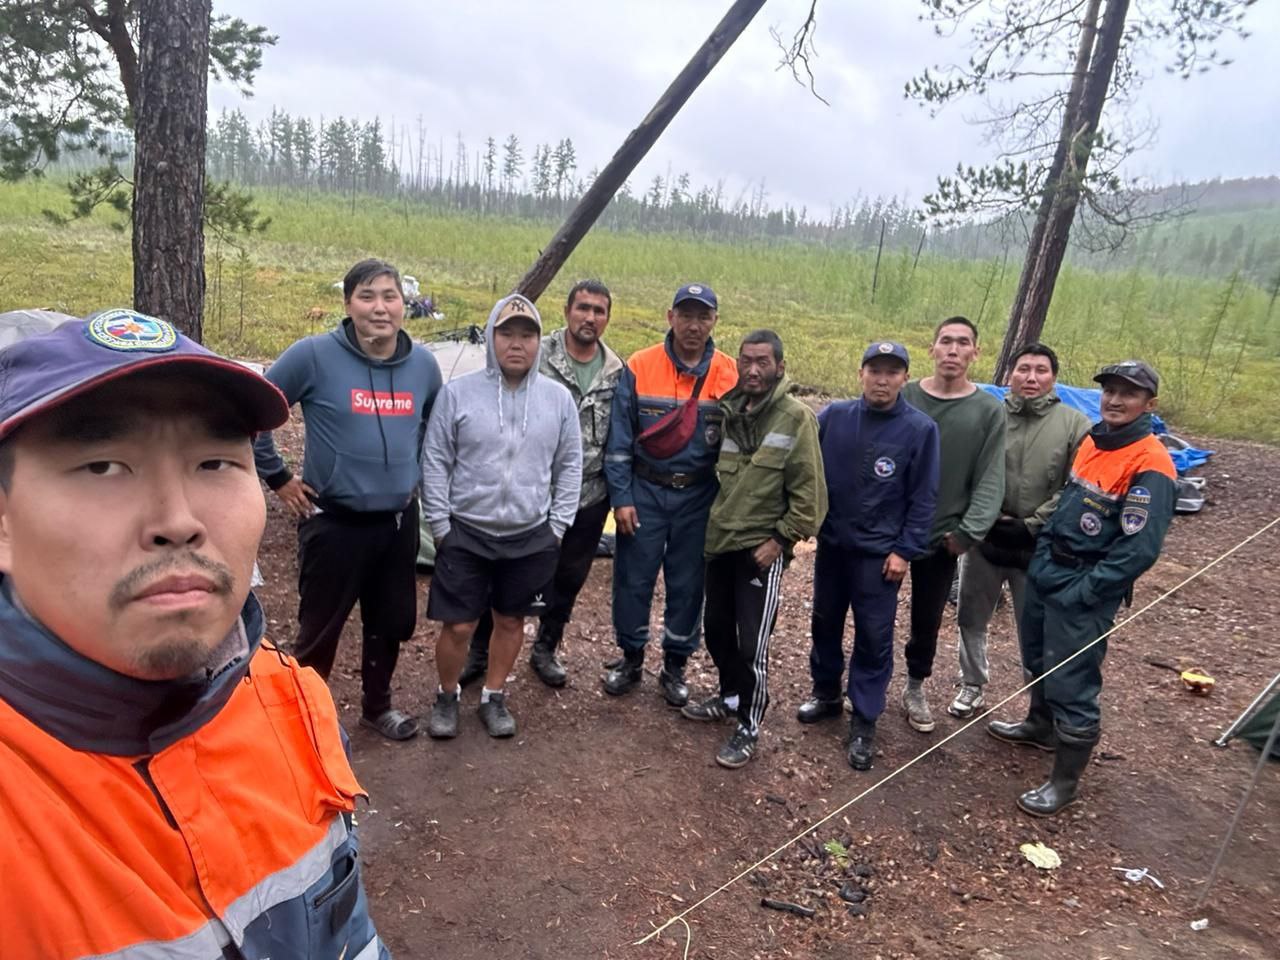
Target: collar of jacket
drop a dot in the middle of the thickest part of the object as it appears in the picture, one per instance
(1107, 439)
(1033, 407)
(734, 403)
(899, 407)
(556, 356)
(92, 708)
(702, 366)
(345, 334)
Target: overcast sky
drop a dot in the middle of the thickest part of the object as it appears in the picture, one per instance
(591, 69)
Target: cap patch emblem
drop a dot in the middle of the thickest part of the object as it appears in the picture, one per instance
(885, 468)
(129, 331)
(1133, 519)
(885, 348)
(1091, 524)
(695, 289)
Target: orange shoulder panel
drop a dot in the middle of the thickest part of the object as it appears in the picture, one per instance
(1154, 456)
(656, 375)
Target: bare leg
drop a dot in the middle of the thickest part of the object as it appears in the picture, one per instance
(504, 648)
(451, 652)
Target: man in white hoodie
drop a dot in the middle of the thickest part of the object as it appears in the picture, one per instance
(502, 470)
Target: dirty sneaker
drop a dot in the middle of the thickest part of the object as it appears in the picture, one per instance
(496, 717)
(738, 749)
(444, 716)
(967, 701)
(712, 708)
(917, 708)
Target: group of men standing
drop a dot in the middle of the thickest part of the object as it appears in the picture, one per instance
(713, 471)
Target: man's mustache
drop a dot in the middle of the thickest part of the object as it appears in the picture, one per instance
(129, 587)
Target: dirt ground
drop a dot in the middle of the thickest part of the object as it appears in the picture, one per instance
(604, 817)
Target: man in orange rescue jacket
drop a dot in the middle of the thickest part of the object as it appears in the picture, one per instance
(1106, 532)
(174, 786)
(660, 467)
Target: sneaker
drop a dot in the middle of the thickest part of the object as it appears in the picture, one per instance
(712, 709)
(967, 701)
(496, 717)
(444, 716)
(917, 708)
(738, 749)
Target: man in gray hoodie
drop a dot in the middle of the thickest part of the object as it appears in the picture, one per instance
(502, 471)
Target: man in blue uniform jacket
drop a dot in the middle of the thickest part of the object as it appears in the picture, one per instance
(881, 461)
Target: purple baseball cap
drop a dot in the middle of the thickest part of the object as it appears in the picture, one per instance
(44, 371)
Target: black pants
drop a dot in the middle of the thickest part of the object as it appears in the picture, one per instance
(741, 607)
(577, 550)
(343, 558)
(931, 577)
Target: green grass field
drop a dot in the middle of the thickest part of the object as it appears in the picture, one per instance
(1214, 342)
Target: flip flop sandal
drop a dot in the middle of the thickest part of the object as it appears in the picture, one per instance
(392, 724)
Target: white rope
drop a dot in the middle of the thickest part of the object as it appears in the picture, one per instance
(943, 742)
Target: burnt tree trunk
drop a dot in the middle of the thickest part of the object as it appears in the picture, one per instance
(169, 132)
(1095, 64)
(633, 149)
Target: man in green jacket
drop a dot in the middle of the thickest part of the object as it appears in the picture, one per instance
(772, 495)
(970, 489)
(1041, 440)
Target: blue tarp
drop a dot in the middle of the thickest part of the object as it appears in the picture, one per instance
(1088, 400)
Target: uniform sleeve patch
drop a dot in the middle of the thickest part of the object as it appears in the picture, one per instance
(1133, 519)
(1139, 495)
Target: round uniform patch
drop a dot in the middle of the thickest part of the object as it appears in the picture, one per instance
(885, 348)
(1091, 524)
(1139, 495)
(695, 289)
(885, 468)
(128, 331)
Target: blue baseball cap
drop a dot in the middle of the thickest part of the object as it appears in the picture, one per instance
(887, 348)
(42, 372)
(696, 291)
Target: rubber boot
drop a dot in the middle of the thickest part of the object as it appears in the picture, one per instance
(1075, 745)
(477, 658)
(625, 674)
(543, 655)
(1035, 731)
(672, 681)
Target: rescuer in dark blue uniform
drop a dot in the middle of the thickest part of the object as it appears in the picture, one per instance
(880, 457)
(1106, 532)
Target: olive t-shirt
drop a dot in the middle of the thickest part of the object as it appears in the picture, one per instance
(585, 373)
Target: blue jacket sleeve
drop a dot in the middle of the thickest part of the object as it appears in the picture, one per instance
(619, 449)
(292, 373)
(922, 496)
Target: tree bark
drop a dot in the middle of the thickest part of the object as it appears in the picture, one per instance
(1098, 50)
(169, 131)
(634, 148)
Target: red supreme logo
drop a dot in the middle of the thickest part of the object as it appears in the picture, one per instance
(379, 402)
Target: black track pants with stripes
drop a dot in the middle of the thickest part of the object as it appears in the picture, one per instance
(741, 608)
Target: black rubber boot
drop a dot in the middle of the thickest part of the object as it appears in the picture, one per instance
(543, 655)
(671, 680)
(625, 674)
(819, 707)
(862, 743)
(1035, 731)
(1069, 762)
(477, 660)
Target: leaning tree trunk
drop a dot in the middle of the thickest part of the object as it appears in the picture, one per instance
(1063, 185)
(633, 149)
(169, 132)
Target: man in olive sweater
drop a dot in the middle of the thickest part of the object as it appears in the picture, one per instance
(971, 433)
(772, 495)
(1043, 434)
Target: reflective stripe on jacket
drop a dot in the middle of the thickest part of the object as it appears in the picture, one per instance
(653, 384)
(234, 836)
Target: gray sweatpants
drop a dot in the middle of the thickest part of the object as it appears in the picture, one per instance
(980, 584)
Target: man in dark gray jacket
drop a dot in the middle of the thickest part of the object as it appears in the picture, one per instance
(365, 390)
(502, 470)
(578, 359)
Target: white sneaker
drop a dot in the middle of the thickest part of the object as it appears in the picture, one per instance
(967, 701)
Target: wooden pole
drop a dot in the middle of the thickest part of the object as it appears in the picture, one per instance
(633, 149)
(875, 277)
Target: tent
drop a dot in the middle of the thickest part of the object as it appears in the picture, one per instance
(1257, 721)
(20, 324)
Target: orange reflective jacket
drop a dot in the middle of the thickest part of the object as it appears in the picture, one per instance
(234, 835)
